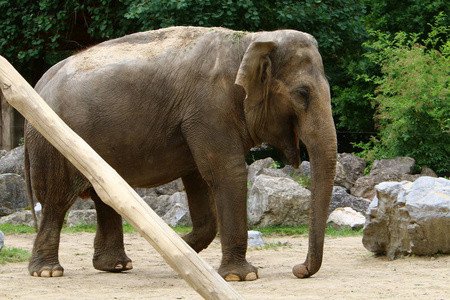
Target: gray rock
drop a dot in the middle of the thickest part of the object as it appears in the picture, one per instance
(255, 239)
(83, 204)
(342, 178)
(82, 217)
(278, 201)
(395, 166)
(346, 217)
(13, 195)
(409, 218)
(178, 214)
(2, 240)
(382, 171)
(12, 162)
(170, 188)
(23, 217)
(341, 198)
(257, 167)
(3, 153)
(353, 165)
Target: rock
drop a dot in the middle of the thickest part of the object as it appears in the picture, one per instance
(382, 171)
(342, 178)
(13, 195)
(353, 165)
(3, 153)
(82, 204)
(255, 239)
(256, 168)
(409, 218)
(170, 188)
(23, 217)
(2, 240)
(341, 198)
(278, 201)
(346, 217)
(178, 214)
(12, 162)
(82, 217)
(395, 166)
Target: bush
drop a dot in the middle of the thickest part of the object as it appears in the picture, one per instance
(412, 98)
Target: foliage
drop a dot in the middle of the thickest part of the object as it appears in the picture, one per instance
(9, 255)
(412, 97)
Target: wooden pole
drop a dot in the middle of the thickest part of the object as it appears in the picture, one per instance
(7, 123)
(111, 188)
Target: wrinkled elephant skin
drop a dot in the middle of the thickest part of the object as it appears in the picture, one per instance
(184, 102)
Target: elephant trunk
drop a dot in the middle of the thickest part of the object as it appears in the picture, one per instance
(322, 155)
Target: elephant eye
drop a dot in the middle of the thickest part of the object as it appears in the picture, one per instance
(303, 95)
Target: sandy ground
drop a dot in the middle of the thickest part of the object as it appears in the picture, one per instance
(349, 272)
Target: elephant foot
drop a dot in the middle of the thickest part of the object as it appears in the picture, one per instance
(38, 269)
(301, 271)
(239, 272)
(112, 263)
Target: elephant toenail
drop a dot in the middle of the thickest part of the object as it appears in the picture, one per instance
(232, 277)
(57, 273)
(251, 276)
(119, 267)
(129, 265)
(46, 273)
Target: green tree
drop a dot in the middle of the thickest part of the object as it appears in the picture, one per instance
(412, 96)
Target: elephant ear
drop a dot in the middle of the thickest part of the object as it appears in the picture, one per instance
(255, 72)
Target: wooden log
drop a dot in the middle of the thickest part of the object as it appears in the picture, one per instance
(6, 123)
(111, 188)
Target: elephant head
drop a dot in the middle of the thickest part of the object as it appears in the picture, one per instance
(287, 100)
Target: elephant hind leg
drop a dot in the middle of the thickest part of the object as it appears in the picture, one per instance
(202, 210)
(109, 251)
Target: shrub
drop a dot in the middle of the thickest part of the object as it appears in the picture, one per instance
(412, 96)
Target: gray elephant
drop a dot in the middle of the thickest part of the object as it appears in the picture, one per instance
(184, 102)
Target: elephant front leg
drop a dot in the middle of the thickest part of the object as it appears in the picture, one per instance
(231, 203)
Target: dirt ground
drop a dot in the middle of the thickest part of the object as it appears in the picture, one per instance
(349, 272)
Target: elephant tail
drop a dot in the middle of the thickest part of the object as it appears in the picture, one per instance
(29, 187)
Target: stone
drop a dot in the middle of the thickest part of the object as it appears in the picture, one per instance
(346, 217)
(342, 178)
(23, 217)
(382, 171)
(255, 239)
(394, 166)
(82, 217)
(13, 195)
(12, 162)
(3, 153)
(83, 204)
(256, 168)
(353, 165)
(278, 201)
(340, 198)
(409, 218)
(2, 240)
(178, 214)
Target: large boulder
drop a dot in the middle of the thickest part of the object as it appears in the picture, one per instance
(341, 198)
(178, 214)
(23, 217)
(382, 170)
(409, 218)
(13, 195)
(278, 201)
(82, 217)
(353, 165)
(257, 167)
(12, 162)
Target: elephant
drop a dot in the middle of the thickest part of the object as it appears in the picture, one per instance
(185, 102)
